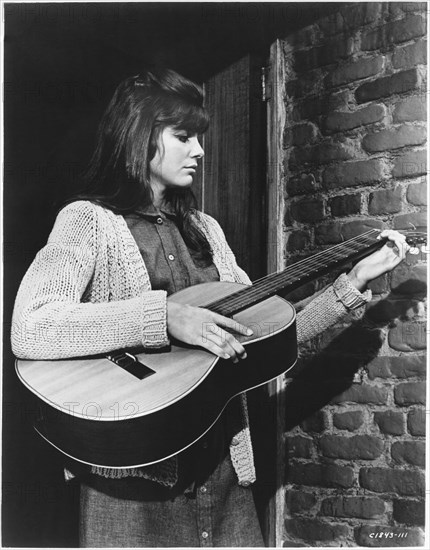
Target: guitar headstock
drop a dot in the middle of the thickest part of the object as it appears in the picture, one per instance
(417, 240)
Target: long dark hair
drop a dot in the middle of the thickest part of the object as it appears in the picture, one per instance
(118, 173)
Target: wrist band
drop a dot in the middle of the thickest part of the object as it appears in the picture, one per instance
(350, 296)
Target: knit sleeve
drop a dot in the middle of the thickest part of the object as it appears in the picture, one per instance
(329, 307)
(50, 320)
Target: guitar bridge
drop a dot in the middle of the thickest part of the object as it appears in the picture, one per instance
(130, 363)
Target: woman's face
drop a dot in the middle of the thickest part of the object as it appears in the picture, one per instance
(175, 161)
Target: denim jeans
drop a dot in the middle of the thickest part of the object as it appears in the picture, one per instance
(116, 513)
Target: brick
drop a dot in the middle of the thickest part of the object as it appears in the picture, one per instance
(353, 507)
(338, 121)
(379, 368)
(381, 536)
(391, 33)
(330, 52)
(398, 9)
(385, 310)
(410, 55)
(417, 422)
(409, 452)
(316, 423)
(321, 475)
(404, 221)
(408, 366)
(365, 447)
(413, 163)
(287, 217)
(417, 194)
(345, 205)
(311, 107)
(397, 83)
(300, 134)
(298, 240)
(386, 201)
(352, 174)
(287, 543)
(350, 420)
(299, 501)
(357, 70)
(410, 109)
(320, 154)
(328, 234)
(308, 210)
(390, 422)
(315, 529)
(410, 393)
(409, 279)
(352, 229)
(339, 101)
(299, 447)
(305, 183)
(308, 83)
(387, 140)
(407, 336)
(346, 20)
(410, 512)
(392, 480)
(379, 285)
(363, 393)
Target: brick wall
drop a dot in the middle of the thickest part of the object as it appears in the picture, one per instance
(355, 157)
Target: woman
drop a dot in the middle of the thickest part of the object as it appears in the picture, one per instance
(113, 256)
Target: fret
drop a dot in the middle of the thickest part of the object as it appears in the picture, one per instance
(298, 273)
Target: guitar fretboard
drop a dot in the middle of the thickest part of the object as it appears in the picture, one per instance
(299, 273)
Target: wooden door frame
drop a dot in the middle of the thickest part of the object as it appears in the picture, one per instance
(276, 115)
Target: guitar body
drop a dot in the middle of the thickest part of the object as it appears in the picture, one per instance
(96, 412)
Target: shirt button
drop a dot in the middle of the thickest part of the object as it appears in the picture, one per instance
(205, 444)
(205, 535)
(203, 489)
(235, 441)
(159, 221)
(171, 257)
(245, 483)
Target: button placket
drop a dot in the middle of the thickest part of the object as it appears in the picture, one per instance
(204, 519)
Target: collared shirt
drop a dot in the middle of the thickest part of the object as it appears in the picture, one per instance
(171, 265)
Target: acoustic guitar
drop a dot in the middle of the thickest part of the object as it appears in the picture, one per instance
(132, 408)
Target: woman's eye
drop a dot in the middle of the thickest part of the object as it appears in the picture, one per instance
(183, 138)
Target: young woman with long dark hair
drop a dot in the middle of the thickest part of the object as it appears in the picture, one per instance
(115, 253)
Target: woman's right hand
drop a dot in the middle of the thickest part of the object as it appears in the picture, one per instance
(201, 327)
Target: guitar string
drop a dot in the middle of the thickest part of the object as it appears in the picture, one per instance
(337, 252)
(326, 252)
(295, 269)
(314, 257)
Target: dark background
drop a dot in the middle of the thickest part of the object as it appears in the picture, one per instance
(62, 64)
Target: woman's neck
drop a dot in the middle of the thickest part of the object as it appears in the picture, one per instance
(158, 196)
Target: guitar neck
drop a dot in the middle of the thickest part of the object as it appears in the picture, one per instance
(300, 273)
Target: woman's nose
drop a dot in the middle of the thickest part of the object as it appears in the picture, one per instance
(197, 150)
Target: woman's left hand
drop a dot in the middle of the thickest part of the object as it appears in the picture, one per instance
(383, 260)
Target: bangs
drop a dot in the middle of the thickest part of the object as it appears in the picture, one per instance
(194, 119)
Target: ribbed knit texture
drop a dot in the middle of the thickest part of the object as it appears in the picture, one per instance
(88, 292)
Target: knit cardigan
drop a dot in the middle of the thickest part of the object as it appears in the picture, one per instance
(88, 292)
